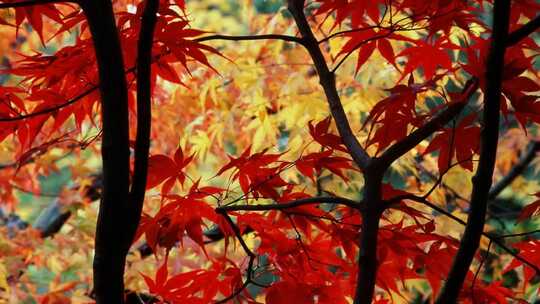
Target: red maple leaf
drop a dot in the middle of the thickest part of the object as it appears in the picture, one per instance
(460, 142)
(255, 173)
(530, 251)
(530, 210)
(367, 41)
(320, 134)
(163, 168)
(429, 56)
(182, 214)
(358, 11)
(193, 286)
(313, 163)
(34, 14)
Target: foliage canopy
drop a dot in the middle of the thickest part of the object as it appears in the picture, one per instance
(328, 151)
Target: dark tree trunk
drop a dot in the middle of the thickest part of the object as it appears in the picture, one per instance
(367, 259)
(110, 252)
(144, 118)
(488, 149)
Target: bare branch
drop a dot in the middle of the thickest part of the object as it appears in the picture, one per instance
(478, 270)
(355, 30)
(520, 234)
(518, 168)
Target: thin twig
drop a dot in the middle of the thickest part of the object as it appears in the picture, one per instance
(51, 109)
(520, 234)
(154, 60)
(496, 239)
(250, 254)
(358, 45)
(478, 270)
(251, 38)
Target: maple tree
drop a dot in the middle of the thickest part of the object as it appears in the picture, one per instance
(331, 151)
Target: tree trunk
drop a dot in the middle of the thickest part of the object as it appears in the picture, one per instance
(488, 150)
(367, 259)
(144, 118)
(110, 253)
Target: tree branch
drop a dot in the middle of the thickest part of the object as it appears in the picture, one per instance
(488, 150)
(520, 234)
(373, 173)
(494, 238)
(110, 252)
(51, 219)
(250, 254)
(251, 38)
(406, 144)
(328, 82)
(144, 118)
(354, 30)
(368, 262)
(518, 168)
(51, 109)
(32, 3)
(524, 31)
(292, 204)
(154, 60)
